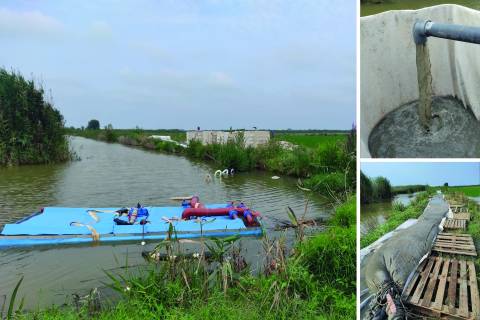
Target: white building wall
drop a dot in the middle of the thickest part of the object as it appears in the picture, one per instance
(252, 138)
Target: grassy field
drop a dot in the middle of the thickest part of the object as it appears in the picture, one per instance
(373, 7)
(310, 140)
(470, 191)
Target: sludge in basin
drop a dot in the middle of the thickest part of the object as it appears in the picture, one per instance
(454, 132)
(420, 98)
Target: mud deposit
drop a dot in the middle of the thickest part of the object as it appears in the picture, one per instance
(454, 132)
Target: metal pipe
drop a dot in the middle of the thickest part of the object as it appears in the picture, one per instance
(424, 29)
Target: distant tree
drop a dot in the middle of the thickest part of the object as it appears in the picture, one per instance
(445, 187)
(93, 124)
(366, 189)
(383, 189)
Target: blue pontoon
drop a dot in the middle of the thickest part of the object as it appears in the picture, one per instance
(54, 225)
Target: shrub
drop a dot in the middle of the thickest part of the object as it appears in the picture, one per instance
(31, 129)
(398, 206)
(346, 214)
(327, 183)
(331, 257)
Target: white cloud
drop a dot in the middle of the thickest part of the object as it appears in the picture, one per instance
(27, 23)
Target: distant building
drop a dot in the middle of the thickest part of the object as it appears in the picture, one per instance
(163, 138)
(251, 137)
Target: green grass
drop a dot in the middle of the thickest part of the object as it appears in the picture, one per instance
(310, 140)
(175, 134)
(316, 282)
(397, 216)
(369, 7)
(470, 191)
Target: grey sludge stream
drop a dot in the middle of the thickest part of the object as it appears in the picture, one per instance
(115, 175)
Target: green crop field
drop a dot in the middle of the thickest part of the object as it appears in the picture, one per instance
(470, 191)
(310, 140)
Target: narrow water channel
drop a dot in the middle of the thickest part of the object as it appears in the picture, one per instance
(114, 175)
(375, 214)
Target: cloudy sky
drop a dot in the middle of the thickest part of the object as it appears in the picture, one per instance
(181, 64)
(432, 173)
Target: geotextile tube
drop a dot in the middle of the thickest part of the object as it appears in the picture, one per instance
(389, 77)
(389, 267)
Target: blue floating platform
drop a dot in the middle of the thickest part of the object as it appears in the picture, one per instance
(52, 226)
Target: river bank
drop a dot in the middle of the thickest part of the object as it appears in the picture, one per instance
(396, 217)
(377, 213)
(328, 168)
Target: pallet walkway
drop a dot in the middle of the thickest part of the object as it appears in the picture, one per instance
(452, 224)
(457, 205)
(444, 288)
(462, 216)
(453, 243)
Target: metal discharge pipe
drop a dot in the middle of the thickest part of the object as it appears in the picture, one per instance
(424, 29)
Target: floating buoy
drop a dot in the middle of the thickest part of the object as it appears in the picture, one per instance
(275, 177)
(208, 178)
(225, 172)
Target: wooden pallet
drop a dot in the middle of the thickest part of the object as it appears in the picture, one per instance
(444, 288)
(456, 205)
(455, 224)
(462, 216)
(455, 244)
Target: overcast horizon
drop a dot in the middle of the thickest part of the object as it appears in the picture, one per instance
(183, 64)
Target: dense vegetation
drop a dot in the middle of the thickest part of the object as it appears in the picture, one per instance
(409, 189)
(374, 190)
(396, 217)
(316, 282)
(380, 189)
(31, 129)
(328, 167)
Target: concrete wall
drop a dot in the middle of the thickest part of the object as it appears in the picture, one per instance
(251, 138)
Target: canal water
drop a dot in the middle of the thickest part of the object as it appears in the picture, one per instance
(367, 9)
(375, 214)
(110, 175)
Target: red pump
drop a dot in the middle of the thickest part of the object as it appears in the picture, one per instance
(198, 210)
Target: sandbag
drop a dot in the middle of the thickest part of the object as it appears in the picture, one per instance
(399, 256)
(388, 64)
